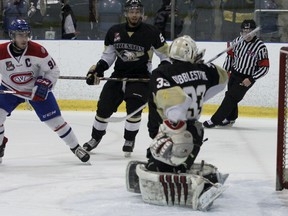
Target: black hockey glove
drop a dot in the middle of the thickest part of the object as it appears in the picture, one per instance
(95, 72)
(92, 77)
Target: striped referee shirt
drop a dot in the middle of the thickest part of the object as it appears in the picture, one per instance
(248, 58)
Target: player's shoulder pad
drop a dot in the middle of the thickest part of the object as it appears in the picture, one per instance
(4, 51)
(37, 50)
(169, 97)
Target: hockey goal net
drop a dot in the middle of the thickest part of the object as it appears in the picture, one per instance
(282, 136)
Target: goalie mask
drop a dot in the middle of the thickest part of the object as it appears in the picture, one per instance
(183, 49)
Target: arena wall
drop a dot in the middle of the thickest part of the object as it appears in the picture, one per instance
(74, 57)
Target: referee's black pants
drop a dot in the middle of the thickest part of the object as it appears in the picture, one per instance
(234, 94)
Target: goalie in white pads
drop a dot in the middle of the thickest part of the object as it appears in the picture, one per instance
(170, 177)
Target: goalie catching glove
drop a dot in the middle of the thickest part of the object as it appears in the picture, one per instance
(41, 89)
(173, 143)
(95, 72)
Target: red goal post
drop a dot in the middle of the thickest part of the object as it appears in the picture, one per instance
(282, 130)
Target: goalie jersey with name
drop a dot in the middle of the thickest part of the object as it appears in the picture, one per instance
(20, 72)
(199, 81)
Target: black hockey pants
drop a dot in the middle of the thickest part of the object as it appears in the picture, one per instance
(234, 94)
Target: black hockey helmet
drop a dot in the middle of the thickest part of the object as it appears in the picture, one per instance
(133, 4)
(248, 24)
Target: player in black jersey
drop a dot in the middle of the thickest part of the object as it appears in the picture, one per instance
(131, 46)
(178, 92)
(248, 61)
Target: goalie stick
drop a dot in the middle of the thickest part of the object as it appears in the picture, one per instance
(232, 46)
(107, 78)
(120, 119)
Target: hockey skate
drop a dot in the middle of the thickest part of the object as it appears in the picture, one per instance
(224, 123)
(81, 153)
(209, 124)
(128, 148)
(91, 144)
(227, 123)
(2, 148)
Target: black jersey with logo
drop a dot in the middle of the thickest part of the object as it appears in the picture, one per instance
(133, 49)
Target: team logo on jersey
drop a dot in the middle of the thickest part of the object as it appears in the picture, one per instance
(117, 37)
(129, 52)
(22, 78)
(9, 66)
(126, 56)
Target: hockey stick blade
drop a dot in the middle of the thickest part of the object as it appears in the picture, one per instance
(107, 78)
(120, 119)
(231, 47)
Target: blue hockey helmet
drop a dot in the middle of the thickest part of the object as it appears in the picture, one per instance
(18, 25)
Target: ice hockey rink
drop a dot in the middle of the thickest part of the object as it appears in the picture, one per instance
(40, 176)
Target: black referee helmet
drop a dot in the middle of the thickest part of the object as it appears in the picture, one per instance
(248, 24)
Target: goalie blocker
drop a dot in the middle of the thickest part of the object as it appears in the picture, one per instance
(197, 188)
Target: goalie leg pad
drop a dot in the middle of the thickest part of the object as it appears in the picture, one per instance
(209, 172)
(132, 180)
(183, 189)
(207, 198)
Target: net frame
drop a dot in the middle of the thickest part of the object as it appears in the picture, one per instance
(282, 137)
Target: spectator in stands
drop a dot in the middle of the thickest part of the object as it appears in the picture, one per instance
(93, 19)
(69, 22)
(234, 12)
(110, 13)
(202, 23)
(283, 20)
(268, 20)
(36, 20)
(13, 9)
(163, 20)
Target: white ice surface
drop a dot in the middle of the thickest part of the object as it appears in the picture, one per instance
(39, 176)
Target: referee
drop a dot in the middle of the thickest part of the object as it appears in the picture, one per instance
(248, 61)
